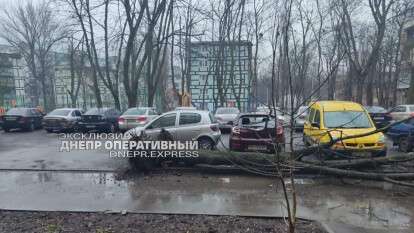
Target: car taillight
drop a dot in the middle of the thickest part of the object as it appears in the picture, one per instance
(279, 129)
(235, 130)
(121, 120)
(141, 119)
(214, 127)
(412, 114)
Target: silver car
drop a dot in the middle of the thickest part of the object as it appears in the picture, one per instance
(226, 116)
(134, 117)
(183, 125)
(62, 119)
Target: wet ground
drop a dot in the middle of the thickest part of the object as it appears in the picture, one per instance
(347, 206)
(35, 176)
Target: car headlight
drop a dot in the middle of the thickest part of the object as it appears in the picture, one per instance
(381, 139)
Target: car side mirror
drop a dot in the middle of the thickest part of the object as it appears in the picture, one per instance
(315, 124)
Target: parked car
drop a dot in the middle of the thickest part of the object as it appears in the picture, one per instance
(100, 119)
(379, 115)
(300, 117)
(183, 125)
(225, 116)
(403, 135)
(62, 119)
(256, 132)
(281, 116)
(341, 119)
(134, 117)
(402, 112)
(22, 118)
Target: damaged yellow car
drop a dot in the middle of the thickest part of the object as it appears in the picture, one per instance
(338, 119)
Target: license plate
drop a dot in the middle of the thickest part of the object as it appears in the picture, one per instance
(257, 147)
(10, 118)
(90, 126)
(378, 118)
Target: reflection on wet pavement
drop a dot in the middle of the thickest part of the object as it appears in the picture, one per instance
(340, 205)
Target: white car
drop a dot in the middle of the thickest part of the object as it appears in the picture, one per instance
(225, 116)
(183, 125)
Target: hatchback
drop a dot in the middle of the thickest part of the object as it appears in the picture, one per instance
(256, 132)
(183, 125)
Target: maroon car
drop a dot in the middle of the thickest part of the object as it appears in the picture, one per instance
(256, 132)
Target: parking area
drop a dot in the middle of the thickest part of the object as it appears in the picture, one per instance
(39, 150)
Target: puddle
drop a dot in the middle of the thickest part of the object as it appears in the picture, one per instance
(358, 206)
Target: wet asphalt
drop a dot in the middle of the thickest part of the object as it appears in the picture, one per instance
(34, 175)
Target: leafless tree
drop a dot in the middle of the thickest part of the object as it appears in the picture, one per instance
(33, 30)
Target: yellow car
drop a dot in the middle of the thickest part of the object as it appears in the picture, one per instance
(341, 119)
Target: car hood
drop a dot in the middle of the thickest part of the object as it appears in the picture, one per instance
(373, 138)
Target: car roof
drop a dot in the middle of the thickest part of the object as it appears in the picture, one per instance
(187, 111)
(331, 106)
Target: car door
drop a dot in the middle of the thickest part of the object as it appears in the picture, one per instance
(168, 122)
(188, 126)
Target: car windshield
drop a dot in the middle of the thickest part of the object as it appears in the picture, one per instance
(135, 111)
(227, 111)
(375, 109)
(95, 111)
(60, 112)
(346, 119)
(17, 111)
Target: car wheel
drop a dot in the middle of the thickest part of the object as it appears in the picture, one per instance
(205, 143)
(404, 145)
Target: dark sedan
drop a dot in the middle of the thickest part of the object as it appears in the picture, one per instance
(379, 116)
(256, 132)
(62, 119)
(22, 118)
(402, 135)
(100, 119)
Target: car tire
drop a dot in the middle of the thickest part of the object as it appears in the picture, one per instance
(404, 145)
(205, 143)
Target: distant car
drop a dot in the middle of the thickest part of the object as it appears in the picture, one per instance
(225, 116)
(379, 116)
(100, 119)
(282, 118)
(22, 118)
(403, 135)
(62, 119)
(183, 125)
(402, 112)
(300, 117)
(134, 117)
(256, 132)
